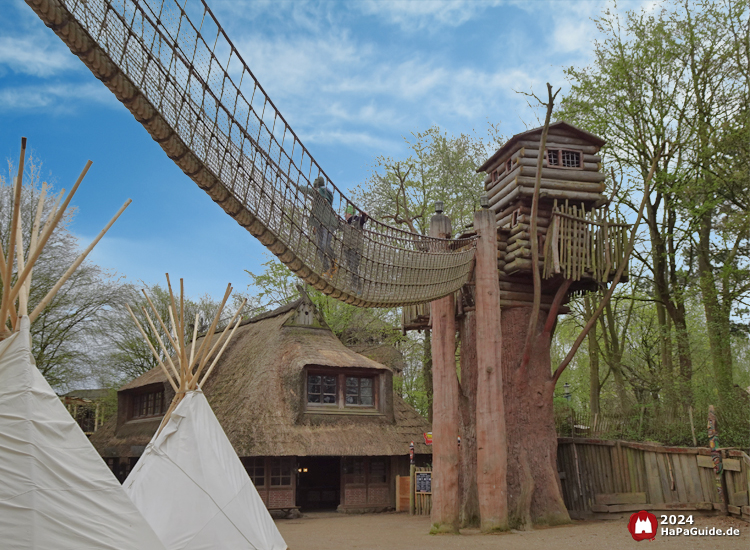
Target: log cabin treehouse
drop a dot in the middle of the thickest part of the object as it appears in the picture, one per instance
(577, 240)
(316, 425)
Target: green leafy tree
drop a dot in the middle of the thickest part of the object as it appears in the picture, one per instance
(674, 79)
(64, 336)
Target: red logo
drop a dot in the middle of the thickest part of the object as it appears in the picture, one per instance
(642, 526)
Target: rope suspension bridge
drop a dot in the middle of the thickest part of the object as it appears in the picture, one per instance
(173, 66)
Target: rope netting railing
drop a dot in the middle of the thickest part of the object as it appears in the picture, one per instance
(176, 70)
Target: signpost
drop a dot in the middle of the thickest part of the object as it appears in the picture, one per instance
(424, 482)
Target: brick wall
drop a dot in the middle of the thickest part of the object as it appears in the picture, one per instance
(378, 496)
(355, 496)
(278, 498)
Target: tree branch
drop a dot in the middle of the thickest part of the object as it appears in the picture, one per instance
(533, 230)
(605, 300)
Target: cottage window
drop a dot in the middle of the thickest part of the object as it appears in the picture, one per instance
(327, 391)
(563, 158)
(148, 404)
(281, 472)
(509, 165)
(321, 389)
(354, 471)
(377, 470)
(256, 469)
(359, 391)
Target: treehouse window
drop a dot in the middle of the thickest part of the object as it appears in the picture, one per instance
(281, 472)
(321, 389)
(148, 404)
(514, 218)
(359, 391)
(563, 158)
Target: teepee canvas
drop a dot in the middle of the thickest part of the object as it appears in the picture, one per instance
(189, 483)
(193, 489)
(55, 490)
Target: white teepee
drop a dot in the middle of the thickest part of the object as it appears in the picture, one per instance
(55, 490)
(189, 483)
(193, 489)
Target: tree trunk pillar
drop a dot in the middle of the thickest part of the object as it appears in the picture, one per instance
(445, 493)
(467, 332)
(492, 452)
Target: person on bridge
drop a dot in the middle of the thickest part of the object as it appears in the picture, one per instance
(353, 240)
(323, 221)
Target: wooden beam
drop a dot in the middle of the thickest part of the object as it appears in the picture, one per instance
(446, 498)
(667, 506)
(490, 415)
(620, 498)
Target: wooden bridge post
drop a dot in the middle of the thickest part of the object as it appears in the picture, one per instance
(492, 451)
(445, 493)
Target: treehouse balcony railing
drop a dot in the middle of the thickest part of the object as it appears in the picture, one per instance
(583, 244)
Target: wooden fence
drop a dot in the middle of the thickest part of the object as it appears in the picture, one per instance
(619, 476)
(667, 427)
(416, 489)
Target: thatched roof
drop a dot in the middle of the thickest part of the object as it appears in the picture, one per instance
(91, 395)
(256, 392)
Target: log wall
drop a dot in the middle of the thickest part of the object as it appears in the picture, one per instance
(619, 476)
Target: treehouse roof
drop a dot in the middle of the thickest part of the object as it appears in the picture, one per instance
(559, 128)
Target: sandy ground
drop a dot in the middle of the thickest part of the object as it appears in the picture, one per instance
(332, 531)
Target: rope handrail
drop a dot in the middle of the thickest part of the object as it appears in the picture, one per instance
(189, 86)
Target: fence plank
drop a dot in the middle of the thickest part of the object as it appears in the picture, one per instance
(732, 464)
(621, 498)
(653, 478)
(706, 488)
(692, 482)
(614, 508)
(679, 477)
(666, 478)
(626, 485)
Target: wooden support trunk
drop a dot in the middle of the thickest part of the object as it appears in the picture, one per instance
(534, 492)
(491, 443)
(445, 500)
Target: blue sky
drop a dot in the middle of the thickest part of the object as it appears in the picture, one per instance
(351, 78)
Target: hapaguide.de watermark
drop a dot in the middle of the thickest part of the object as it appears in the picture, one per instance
(644, 526)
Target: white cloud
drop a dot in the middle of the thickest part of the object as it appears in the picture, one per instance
(59, 97)
(573, 35)
(351, 138)
(425, 13)
(36, 55)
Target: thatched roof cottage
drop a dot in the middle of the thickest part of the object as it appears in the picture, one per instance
(316, 424)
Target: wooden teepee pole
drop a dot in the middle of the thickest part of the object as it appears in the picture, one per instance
(186, 373)
(79, 260)
(7, 290)
(19, 288)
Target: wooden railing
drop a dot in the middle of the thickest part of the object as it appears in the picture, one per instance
(620, 476)
(583, 244)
